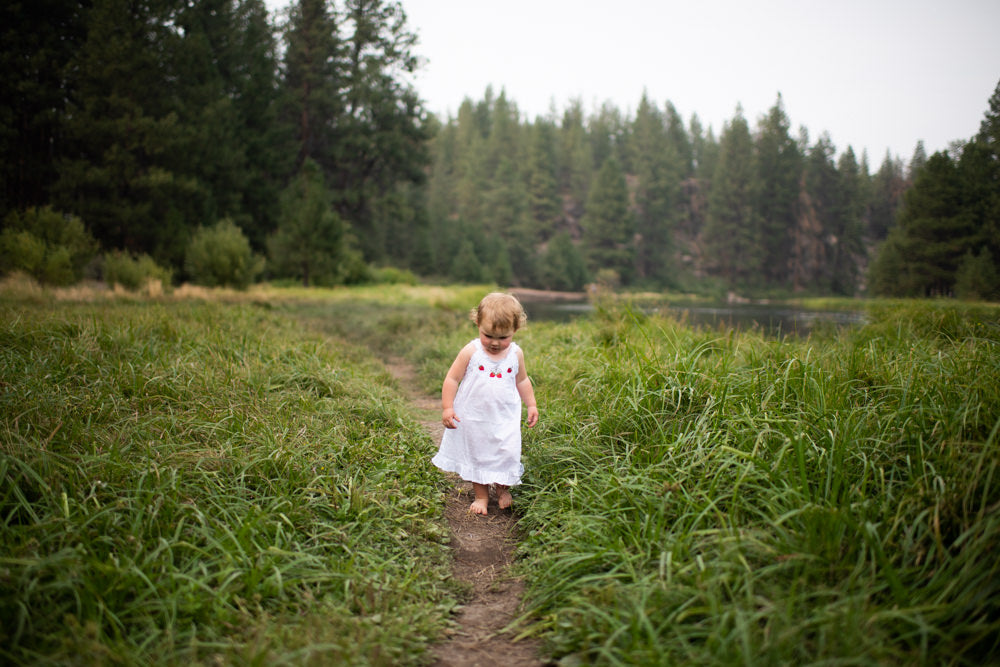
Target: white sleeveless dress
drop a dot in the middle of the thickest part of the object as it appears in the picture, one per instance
(486, 446)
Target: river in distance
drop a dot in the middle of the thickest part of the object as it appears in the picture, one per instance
(774, 320)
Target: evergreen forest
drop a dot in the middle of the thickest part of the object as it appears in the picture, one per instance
(216, 142)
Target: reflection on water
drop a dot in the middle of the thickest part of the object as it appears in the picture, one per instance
(774, 320)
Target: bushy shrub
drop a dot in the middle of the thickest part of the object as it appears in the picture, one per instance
(133, 271)
(354, 270)
(221, 256)
(977, 277)
(50, 246)
(390, 275)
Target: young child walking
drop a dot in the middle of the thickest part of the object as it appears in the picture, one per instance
(481, 402)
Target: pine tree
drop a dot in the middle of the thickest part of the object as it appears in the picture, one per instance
(814, 236)
(575, 157)
(442, 181)
(466, 267)
(37, 42)
(544, 203)
(381, 137)
(124, 141)
(989, 175)
(309, 244)
(887, 192)
(656, 165)
(506, 219)
(977, 277)
(266, 140)
(312, 80)
(472, 170)
(989, 128)
(778, 173)
(679, 141)
(607, 225)
(504, 139)
(704, 151)
(917, 161)
(606, 131)
(731, 237)
(562, 265)
(847, 226)
(209, 122)
(932, 234)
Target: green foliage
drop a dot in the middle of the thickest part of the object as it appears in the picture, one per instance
(311, 243)
(888, 186)
(208, 483)
(732, 235)
(716, 498)
(39, 41)
(354, 111)
(389, 275)
(607, 226)
(21, 251)
(778, 166)
(133, 271)
(658, 165)
(977, 277)
(562, 265)
(502, 273)
(203, 482)
(50, 246)
(221, 256)
(466, 265)
(947, 213)
(154, 119)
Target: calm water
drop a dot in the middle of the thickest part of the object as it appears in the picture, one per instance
(775, 320)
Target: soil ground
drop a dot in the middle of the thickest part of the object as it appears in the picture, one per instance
(483, 548)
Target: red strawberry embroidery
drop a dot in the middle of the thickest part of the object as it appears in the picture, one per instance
(508, 370)
(482, 368)
(499, 375)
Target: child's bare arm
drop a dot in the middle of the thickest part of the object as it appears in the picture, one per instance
(526, 390)
(450, 387)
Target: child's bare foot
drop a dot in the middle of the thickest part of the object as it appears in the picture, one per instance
(504, 498)
(481, 504)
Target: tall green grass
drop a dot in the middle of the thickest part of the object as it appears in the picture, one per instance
(203, 481)
(197, 482)
(718, 498)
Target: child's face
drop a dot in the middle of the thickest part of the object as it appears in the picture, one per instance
(493, 340)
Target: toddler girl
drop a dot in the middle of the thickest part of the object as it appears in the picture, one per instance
(481, 404)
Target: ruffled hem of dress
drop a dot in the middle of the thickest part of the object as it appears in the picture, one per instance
(471, 474)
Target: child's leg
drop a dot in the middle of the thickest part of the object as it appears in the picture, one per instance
(504, 498)
(482, 501)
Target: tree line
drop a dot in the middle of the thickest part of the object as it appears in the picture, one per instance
(946, 240)
(650, 199)
(301, 138)
(150, 121)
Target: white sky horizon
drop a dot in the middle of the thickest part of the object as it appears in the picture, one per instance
(878, 75)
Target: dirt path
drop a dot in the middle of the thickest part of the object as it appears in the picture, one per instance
(483, 548)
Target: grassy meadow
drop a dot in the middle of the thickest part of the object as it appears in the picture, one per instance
(233, 478)
(203, 481)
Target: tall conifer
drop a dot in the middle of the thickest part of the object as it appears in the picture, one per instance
(655, 163)
(731, 236)
(778, 174)
(607, 225)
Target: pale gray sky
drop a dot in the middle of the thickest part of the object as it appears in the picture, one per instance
(876, 74)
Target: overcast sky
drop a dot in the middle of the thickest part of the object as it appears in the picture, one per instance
(875, 74)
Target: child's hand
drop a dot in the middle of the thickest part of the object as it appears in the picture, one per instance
(449, 419)
(532, 416)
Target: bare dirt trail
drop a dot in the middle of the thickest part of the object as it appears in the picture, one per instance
(484, 548)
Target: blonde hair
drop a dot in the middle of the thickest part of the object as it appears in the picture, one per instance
(502, 311)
